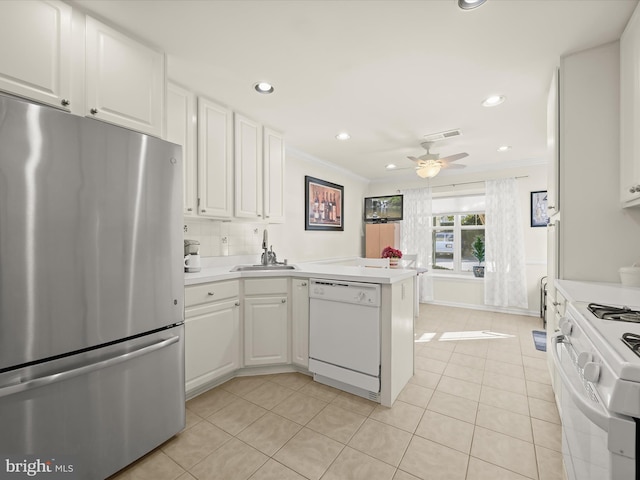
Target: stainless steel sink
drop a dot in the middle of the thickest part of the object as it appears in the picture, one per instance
(262, 268)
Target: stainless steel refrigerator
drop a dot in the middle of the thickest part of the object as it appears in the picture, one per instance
(91, 293)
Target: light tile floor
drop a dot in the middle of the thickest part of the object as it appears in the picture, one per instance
(480, 406)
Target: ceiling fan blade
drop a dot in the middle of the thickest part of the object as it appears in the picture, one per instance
(414, 159)
(456, 165)
(453, 158)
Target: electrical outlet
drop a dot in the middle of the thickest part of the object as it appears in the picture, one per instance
(224, 239)
(186, 229)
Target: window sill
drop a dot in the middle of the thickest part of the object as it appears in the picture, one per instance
(465, 277)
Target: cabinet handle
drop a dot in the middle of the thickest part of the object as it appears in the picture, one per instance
(94, 111)
(304, 284)
(551, 207)
(237, 304)
(203, 211)
(259, 215)
(65, 102)
(189, 209)
(210, 294)
(555, 304)
(283, 300)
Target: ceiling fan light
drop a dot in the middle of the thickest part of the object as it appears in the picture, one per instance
(428, 171)
(391, 166)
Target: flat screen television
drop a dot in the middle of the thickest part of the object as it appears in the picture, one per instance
(383, 209)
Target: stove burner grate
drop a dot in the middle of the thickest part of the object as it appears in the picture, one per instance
(607, 312)
(632, 340)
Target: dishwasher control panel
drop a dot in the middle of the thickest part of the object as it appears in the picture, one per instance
(345, 292)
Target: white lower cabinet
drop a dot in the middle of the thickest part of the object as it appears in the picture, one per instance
(266, 322)
(212, 332)
(300, 322)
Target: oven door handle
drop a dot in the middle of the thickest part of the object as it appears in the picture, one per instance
(592, 413)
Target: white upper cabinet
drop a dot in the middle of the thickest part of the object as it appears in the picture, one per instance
(35, 50)
(181, 129)
(215, 160)
(248, 168)
(273, 152)
(630, 112)
(125, 80)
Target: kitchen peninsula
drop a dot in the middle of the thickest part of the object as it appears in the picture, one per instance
(241, 323)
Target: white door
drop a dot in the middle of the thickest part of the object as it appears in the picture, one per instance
(273, 172)
(265, 330)
(215, 161)
(300, 322)
(248, 168)
(35, 50)
(212, 343)
(125, 80)
(181, 129)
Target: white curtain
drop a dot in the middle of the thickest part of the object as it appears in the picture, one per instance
(504, 279)
(416, 237)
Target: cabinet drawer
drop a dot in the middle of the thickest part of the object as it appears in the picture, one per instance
(210, 292)
(265, 286)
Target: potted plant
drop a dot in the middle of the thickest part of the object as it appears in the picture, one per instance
(392, 254)
(477, 249)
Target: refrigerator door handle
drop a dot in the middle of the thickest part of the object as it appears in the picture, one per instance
(67, 374)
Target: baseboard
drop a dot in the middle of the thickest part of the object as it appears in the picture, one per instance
(487, 308)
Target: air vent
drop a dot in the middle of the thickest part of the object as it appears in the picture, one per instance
(442, 135)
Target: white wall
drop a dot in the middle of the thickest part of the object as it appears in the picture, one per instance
(597, 236)
(468, 291)
(291, 240)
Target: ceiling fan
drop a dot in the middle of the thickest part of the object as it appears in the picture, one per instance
(429, 164)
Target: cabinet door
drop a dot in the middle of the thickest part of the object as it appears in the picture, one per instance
(630, 112)
(273, 149)
(215, 163)
(378, 236)
(125, 80)
(265, 330)
(553, 135)
(35, 50)
(212, 342)
(248, 168)
(181, 129)
(300, 322)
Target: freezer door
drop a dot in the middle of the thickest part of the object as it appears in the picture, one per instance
(90, 233)
(97, 412)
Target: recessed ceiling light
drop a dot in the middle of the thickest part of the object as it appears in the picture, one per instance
(493, 100)
(391, 166)
(504, 148)
(470, 4)
(263, 87)
(343, 136)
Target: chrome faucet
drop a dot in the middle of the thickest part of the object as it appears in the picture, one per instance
(268, 255)
(265, 242)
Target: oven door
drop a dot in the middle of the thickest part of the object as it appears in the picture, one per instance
(596, 444)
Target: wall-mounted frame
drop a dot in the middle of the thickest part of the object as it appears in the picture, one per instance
(324, 205)
(538, 209)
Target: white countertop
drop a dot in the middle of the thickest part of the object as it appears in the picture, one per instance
(596, 292)
(305, 270)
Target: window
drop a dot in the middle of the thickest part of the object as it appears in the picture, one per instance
(453, 233)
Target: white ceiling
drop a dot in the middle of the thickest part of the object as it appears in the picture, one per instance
(386, 71)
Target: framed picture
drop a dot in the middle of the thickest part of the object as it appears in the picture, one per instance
(324, 205)
(538, 212)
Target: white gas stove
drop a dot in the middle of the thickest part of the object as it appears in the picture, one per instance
(600, 390)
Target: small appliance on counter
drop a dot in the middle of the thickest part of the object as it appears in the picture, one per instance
(630, 276)
(192, 256)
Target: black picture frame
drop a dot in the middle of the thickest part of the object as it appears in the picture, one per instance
(538, 209)
(324, 205)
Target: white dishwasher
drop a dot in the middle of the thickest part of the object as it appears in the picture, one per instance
(344, 335)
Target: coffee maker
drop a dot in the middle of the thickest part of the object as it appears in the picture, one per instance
(192, 256)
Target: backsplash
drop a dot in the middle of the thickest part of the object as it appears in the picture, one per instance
(221, 239)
